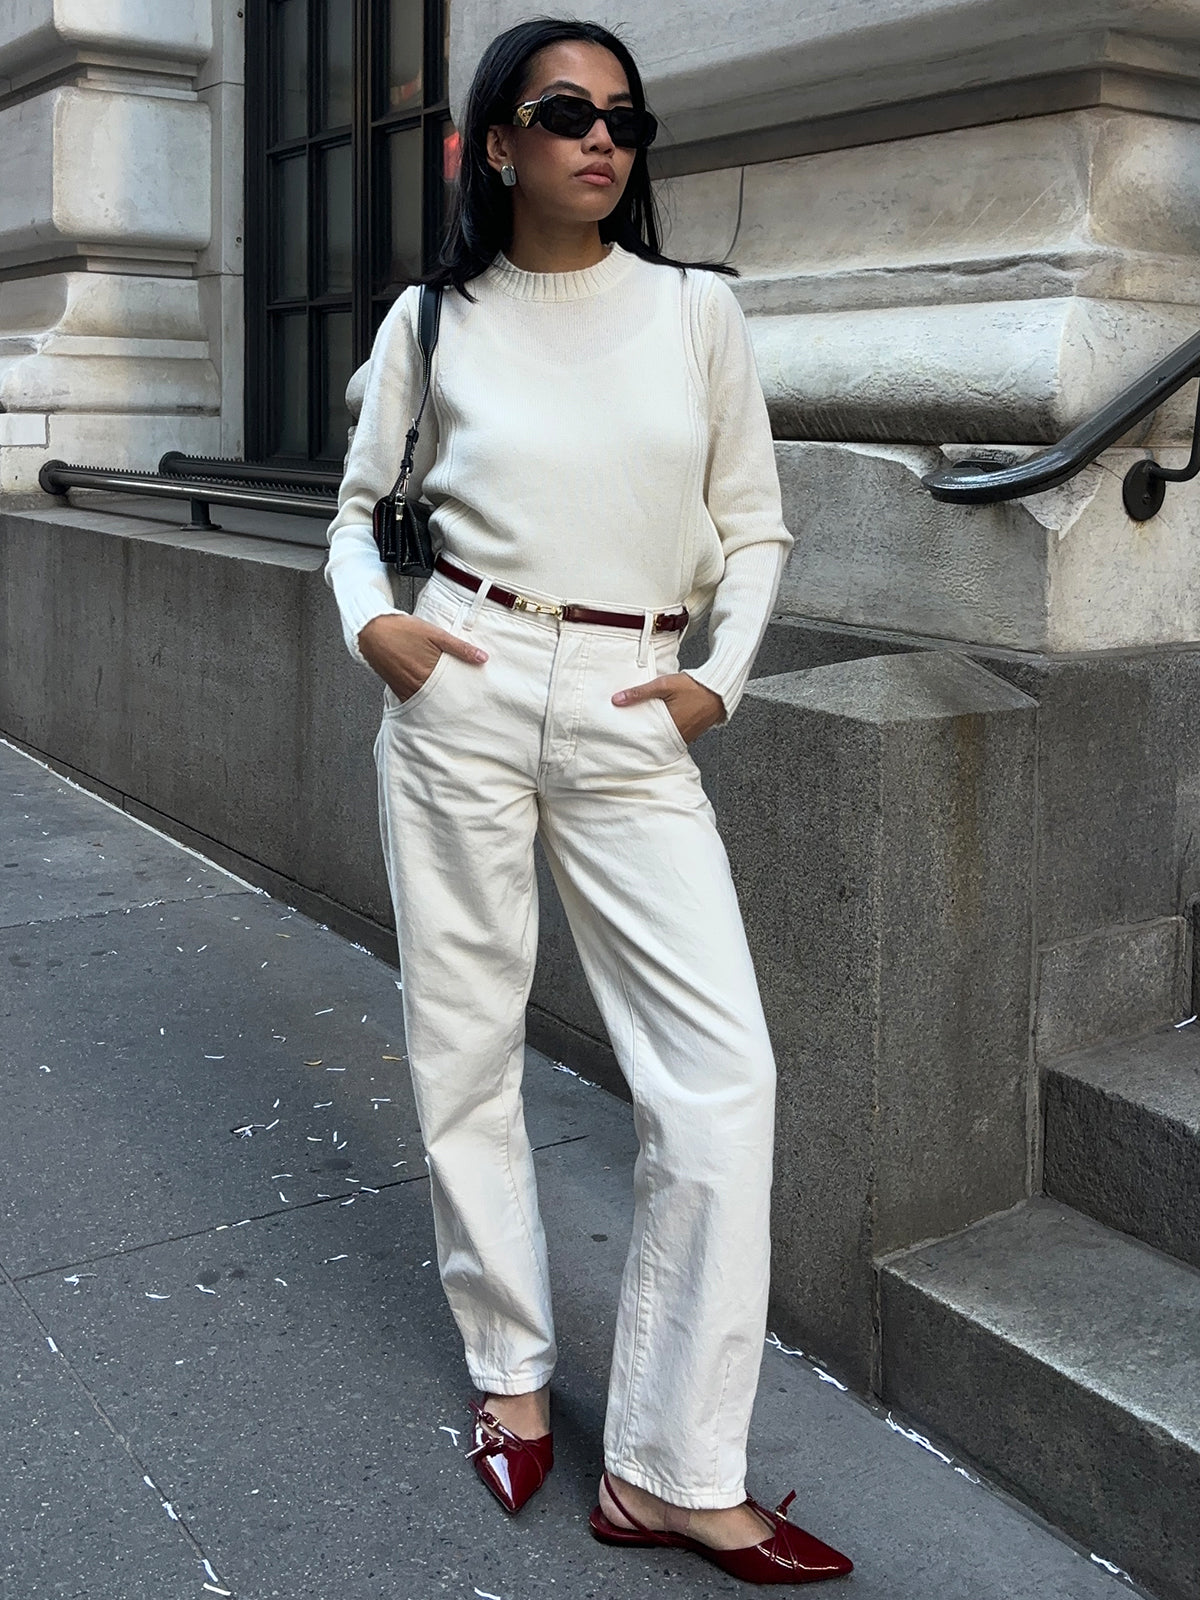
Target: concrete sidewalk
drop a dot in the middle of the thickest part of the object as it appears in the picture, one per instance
(227, 1363)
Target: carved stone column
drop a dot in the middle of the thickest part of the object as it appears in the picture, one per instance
(119, 120)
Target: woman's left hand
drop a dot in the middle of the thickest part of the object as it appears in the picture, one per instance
(694, 709)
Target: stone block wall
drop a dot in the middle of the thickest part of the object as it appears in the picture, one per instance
(202, 680)
(1117, 820)
(880, 814)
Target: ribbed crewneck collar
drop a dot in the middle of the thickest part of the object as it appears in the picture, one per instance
(522, 285)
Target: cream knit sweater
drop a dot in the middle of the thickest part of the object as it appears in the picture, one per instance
(597, 436)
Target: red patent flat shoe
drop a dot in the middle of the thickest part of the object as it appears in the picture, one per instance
(513, 1468)
(789, 1555)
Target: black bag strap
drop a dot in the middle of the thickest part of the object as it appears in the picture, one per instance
(429, 318)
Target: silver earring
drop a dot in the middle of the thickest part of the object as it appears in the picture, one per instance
(508, 175)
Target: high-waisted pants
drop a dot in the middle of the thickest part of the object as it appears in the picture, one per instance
(471, 767)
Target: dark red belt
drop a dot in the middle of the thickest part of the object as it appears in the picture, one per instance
(664, 621)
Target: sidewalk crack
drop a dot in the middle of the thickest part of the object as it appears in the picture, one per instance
(201, 1233)
(218, 1585)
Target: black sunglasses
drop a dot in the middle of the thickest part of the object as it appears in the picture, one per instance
(572, 118)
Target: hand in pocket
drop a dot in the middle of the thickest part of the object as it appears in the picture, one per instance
(692, 708)
(404, 650)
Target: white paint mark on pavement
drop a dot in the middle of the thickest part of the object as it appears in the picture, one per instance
(918, 1438)
(1111, 1566)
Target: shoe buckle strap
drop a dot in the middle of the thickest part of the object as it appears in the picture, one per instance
(654, 1534)
(493, 1447)
(485, 1447)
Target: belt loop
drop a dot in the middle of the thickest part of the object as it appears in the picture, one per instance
(644, 643)
(481, 595)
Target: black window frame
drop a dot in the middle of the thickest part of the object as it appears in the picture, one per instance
(371, 124)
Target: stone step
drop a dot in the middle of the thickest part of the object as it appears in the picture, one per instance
(1123, 1137)
(1064, 1359)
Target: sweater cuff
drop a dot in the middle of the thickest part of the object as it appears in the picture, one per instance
(352, 638)
(740, 613)
(700, 674)
(360, 582)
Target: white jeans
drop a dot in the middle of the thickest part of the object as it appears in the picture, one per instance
(471, 766)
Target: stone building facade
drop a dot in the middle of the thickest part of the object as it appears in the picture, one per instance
(962, 799)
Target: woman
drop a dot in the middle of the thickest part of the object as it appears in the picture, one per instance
(601, 468)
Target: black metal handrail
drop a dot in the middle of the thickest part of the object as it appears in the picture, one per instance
(218, 469)
(977, 482)
(56, 477)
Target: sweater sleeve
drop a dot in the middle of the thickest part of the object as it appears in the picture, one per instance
(743, 498)
(361, 583)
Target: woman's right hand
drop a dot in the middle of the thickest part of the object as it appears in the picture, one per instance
(404, 650)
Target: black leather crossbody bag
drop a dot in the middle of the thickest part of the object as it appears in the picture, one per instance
(399, 522)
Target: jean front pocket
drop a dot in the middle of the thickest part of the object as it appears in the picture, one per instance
(441, 611)
(393, 706)
(672, 727)
(664, 663)
(440, 604)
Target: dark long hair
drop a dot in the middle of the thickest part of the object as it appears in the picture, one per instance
(480, 223)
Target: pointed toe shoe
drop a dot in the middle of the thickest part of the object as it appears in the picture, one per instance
(513, 1468)
(787, 1555)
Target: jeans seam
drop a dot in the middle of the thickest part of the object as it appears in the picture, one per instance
(516, 1035)
(716, 1458)
(635, 1360)
(585, 650)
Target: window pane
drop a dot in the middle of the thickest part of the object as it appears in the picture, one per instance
(404, 199)
(289, 373)
(338, 30)
(334, 71)
(290, 68)
(337, 365)
(289, 219)
(337, 194)
(405, 54)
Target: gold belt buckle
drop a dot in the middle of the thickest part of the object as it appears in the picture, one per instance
(522, 604)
